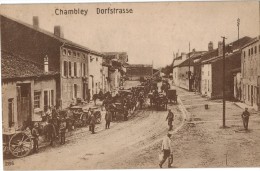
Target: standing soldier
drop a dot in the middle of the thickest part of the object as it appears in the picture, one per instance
(51, 132)
(170, 118)
(245, 117)
(62, 131)
(92, 123)
(108, 118)
(35, 135)
(167, 150)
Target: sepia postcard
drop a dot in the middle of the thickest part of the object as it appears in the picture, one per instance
(144, 85)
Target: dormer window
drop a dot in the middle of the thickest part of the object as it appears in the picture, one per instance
(74, 53)
(69, 53)
(64, 52)
(78, 54)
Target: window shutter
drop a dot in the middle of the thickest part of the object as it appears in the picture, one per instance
(72, 69)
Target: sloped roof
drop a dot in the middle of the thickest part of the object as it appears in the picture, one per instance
(236, 54)
(190, 61)
(14, 67)
(60, 39)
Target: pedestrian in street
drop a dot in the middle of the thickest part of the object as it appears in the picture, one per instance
(92, 123)
(167, 150)
(245, 117)
(35, 138)
(62, 131)
(170, 118)
(51, 132)
(108, 118)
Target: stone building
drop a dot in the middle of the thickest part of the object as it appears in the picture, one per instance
(212, 69)
(79, 67)
(28, 89)
(250, 73)
(139, 71)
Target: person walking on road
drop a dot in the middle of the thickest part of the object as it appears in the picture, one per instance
(108, 118)
(245, 117)
(167, 150)
(170, 118)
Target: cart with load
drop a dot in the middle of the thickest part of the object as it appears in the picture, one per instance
(172, 95)
(97, 114)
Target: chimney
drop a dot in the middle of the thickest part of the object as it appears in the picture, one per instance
(46, 64)
(210, 46)
(193, 50)
(35, 22)
(58, 31)
(220, 48)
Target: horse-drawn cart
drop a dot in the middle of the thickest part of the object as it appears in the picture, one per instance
(172, 95)
(18, 143)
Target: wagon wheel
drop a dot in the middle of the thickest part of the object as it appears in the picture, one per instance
(20, 145)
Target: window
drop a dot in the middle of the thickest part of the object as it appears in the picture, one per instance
(69, 68)
(52, 97)
(259, 49)
(248, 52)
(208, 85)
(244, 54)
(252, 51)
(64, 52)
(84, 69)
(37, 99)
(10, 112)
(248, 93)
(69, 53)
(65, 69)
(75, 69)
(255, 50)
(96, 58)
(78, 54)
(81, 69)
(74, 53)
(75, 90)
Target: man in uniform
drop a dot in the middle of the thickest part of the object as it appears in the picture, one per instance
(245, 117)
(170, 118)
(92, 123)
(108, 118)
(62, 131)
(35, 135)
(167, 150)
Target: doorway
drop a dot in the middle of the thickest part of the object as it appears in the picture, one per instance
(23, 102)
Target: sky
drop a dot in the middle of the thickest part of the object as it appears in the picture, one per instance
(153, 32)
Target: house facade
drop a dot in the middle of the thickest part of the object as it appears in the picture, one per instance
(250, 73)
(26, 94)
(138, 71)
(212, 70)
(79, 67)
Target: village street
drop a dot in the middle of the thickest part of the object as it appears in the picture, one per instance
(107, 149)
(198, 140)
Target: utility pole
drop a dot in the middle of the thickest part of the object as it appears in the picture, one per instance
(189, 73)
(224, 84)
(238, 23)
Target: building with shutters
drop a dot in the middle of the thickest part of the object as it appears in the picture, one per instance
(79, 67)
(250, 73)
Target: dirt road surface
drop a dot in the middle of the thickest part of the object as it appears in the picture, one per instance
(114, 148)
